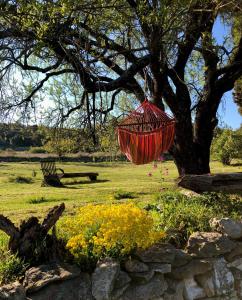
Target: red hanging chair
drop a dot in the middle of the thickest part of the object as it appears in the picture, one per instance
(146, 133)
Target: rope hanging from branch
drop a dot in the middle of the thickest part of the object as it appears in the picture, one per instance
(146, 133)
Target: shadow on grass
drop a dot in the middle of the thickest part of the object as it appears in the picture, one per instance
(105, 164)
(236, 165)
(85, 182)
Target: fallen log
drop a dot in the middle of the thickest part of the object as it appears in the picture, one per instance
(226, 182)
(32, 240)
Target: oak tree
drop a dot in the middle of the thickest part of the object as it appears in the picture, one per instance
(162, 49)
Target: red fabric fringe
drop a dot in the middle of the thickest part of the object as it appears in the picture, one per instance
(146, 133)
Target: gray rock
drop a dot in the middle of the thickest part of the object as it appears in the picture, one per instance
(189, 193)
(228, 226)
(181, 258)
(175, 290)
(103, 278)
(85, 287)
(209, 244)
(222, 277)
(13, 291)
(207, 283)
(78, 288)
(192, 291)
(236, 264)
(161, 253)
(142, 277)
(231, 296)
(122, 280)
(38, 277)
(235, 253)
(153, 290)
(160, 268)
(134, 265)
(193, 268)
(117, 293)
(237, 282)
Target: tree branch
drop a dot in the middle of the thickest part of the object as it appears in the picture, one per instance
(198, 22)
(40, 85)
(52, 217)
(231, 72)
(8, 227)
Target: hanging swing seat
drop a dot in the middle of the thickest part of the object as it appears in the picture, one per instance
(146, 133)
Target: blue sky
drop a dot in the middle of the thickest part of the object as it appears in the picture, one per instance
(228, 111)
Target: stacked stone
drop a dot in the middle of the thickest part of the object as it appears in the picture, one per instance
(209, 268)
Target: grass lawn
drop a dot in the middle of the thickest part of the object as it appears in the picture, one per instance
(19, 201)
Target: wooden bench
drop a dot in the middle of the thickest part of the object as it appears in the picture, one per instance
(52, 175)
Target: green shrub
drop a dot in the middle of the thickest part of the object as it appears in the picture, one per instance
(20, 179)
(225, 146)
(118, 195)
(37, 150)
(11, 267)
(223, 205)
(180, 215)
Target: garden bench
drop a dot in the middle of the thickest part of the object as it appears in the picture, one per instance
(52, 175)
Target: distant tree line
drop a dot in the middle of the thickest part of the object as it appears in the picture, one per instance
(40, 139)
(227, 143)
(16, 135)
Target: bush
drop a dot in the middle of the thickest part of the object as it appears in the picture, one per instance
(11, 267)
(20, 179)
(180, 215)
(37, 150)
(109, 230)
(225, 147)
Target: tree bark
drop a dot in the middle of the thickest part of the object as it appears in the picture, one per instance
(32, 242)
(212, 183)
(189, 157)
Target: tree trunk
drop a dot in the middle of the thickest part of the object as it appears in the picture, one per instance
(191, 150)
(32, 241)
(190, 160)
(189, 156)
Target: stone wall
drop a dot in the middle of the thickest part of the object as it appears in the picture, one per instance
(209, 268)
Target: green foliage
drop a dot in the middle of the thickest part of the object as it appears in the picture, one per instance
(60, 146)
(37, 150)
(120, 194)
(11, 267)
(108, 137)
(180, 215)
(20, 179)
(16, 135)
(226, 146)
(236, 34)
(238, 94)
(222, 204)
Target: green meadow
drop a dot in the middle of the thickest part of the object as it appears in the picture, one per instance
(22, 196)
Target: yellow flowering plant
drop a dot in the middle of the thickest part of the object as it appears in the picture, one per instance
(110, 230)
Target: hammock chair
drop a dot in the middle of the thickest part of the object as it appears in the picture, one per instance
(146, 133)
